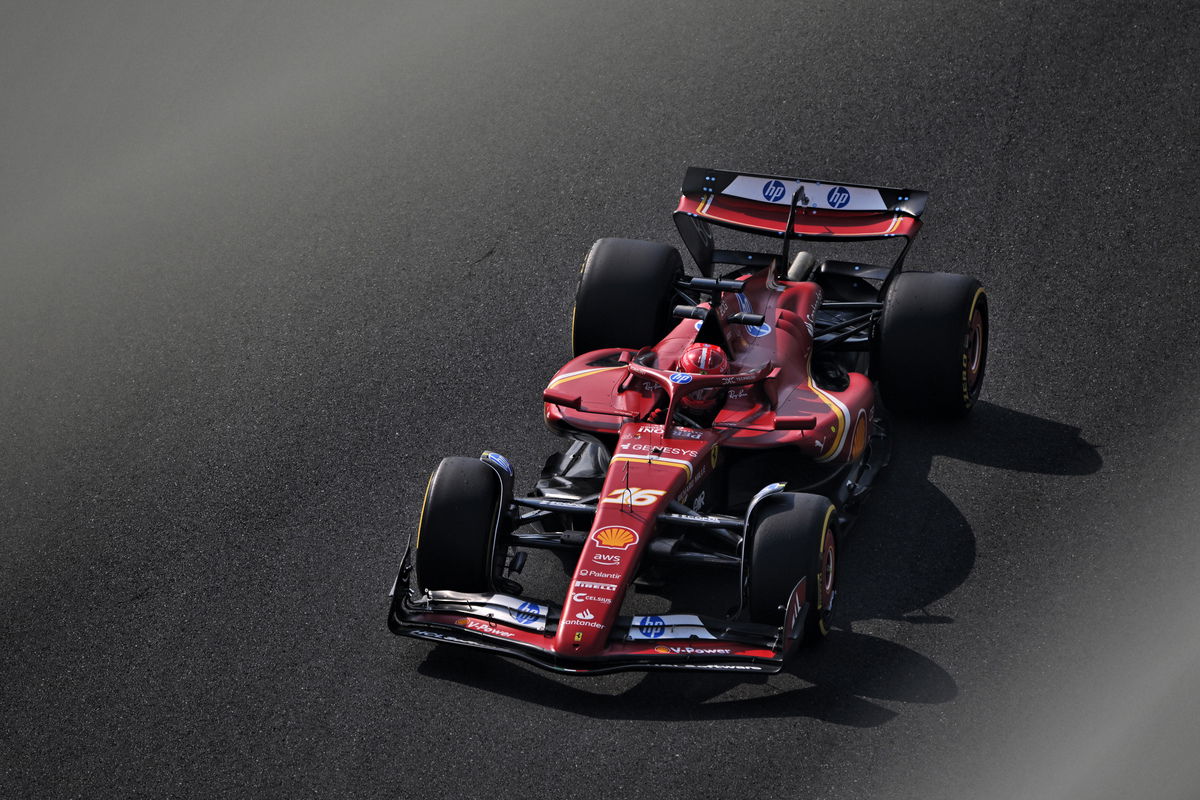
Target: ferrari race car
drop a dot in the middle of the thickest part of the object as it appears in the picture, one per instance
(732, 419)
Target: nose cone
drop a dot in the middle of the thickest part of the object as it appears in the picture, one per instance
(645, 474)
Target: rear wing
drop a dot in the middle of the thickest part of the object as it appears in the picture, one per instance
(762, 204)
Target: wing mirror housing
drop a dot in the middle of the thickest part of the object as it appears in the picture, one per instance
(800, 423)
(560, 398)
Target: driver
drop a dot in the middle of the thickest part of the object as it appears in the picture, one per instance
(703, 359)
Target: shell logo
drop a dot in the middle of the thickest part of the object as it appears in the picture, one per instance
(615, 538)
(662, 649)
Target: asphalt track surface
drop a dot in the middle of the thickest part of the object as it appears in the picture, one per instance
(263, 265)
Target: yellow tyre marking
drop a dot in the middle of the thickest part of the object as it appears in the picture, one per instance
(966, 356)
(974, 301)
(424, 502)
(821, 551)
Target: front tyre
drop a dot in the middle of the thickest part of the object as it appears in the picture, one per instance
(624, 297)
(461, 538)
(793, 539)
(932, 347)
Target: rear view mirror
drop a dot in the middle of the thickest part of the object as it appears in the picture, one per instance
(804, 423)
(560, 398)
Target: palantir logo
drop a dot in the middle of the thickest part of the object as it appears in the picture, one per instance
(774, 191)
(838, 197)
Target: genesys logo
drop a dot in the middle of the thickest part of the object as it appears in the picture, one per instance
(612, 559)
(599, 587)
(614, 537)
(584, 597)
(693, 651)
(643, 447)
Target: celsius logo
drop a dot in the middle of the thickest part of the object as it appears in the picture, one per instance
(527, 613)
(774, 191)
(652, 627)
(838, 197)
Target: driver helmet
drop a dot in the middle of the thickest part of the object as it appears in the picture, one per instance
(703, 359)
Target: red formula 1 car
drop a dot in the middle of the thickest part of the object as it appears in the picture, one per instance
(732, 420)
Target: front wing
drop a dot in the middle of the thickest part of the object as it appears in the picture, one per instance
(524, 629)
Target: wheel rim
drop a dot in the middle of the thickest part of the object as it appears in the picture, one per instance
(973, 352)
(827, 572)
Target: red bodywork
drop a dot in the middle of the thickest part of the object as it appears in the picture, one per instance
(652, 466)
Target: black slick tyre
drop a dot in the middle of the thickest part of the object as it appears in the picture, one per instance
(932, 344)
(793, 538)
(625, 294)
(459, 536)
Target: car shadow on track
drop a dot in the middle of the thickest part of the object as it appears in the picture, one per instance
(911, 547)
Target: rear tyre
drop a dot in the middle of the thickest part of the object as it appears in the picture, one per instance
(932, 349)
(460, 539)
(624, 295)
(793, 539)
